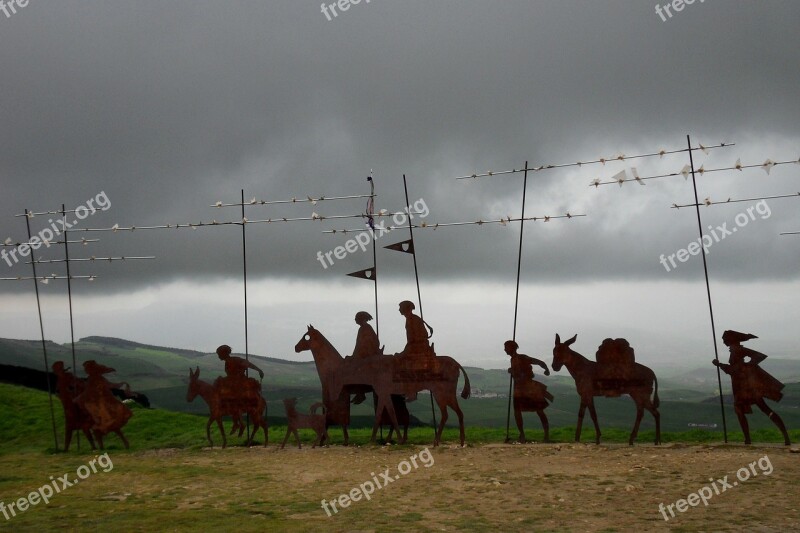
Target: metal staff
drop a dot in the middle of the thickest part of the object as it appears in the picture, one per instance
(244, 276)
(69, 295)
(416, 274)
(708, 293)
(516, 297)
(44, 344)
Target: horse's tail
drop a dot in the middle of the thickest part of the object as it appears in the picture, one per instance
(467, 390)
(655, 395)
(316, 406)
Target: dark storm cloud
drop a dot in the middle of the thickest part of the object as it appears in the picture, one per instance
(171, 106)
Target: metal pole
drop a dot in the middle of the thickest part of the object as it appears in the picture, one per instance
(708, 292)
(244, 275)
(416, 272)
(44, 344)
(516, 298)
(69, 294)
(374, 276)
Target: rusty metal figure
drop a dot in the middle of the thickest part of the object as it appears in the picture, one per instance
(388, 375)
(529, 394)
(76, 418)
(107, 412)
(613, 375)
(751, 383)
(295, 421)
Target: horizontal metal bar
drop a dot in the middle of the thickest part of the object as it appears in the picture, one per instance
(31, 214)
(791, 233)
(424, 225)
(729, 201)
(82, 241)
(307, 199)
(109, 259)
(47, 278)
(620, 157)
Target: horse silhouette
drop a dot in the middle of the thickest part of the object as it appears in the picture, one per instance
(591, 380)
(379, 372)
(256, 407)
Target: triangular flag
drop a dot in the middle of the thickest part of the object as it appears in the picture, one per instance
(685, 171)
(367, 273)
(767, 166)
(403, 246)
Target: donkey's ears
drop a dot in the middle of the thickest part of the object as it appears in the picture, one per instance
(570, 341)
(558, 338)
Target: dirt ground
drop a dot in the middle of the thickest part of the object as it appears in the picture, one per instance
(530, 487)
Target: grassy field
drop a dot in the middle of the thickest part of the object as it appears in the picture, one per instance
(171, 481)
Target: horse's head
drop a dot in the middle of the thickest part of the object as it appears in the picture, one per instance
(193, 391)
(305, 341)
(562, 352)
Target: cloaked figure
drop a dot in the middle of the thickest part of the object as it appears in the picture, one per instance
(367, 345)
(76, 418)
(107, 412)
(529, 394)
(751, 384)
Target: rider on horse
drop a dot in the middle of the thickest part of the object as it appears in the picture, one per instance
(367, 345)
(418, 352)
(236, 385)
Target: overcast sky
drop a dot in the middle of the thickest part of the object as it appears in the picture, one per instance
(168, 107)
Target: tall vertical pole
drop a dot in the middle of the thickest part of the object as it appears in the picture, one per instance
(244, 276)
(374, 256)
(41, 329)
(708, 292)
(370, 211)
(416, 272)
(69, 293)
(516, 298)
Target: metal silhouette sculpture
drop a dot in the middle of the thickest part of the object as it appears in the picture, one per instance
(529, 394)
(311, 421)
(388, 375)
(751, 384)
(614, 374)
(76, 417)
(403, 418)
(253, 405)
(109, 415)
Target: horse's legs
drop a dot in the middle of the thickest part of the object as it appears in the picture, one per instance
(89, 437)
(639, 415)
(68, 438)
(593, 414)
(297, 438)
(124, 440)
(545, 424)
(385, 402)
(99, 439)
(443, 409)
(347, 436)
(286, 438)
(581, 411)
(777, 420)
(208, 431)
(222, 432)
(460, 414)
(656, 416)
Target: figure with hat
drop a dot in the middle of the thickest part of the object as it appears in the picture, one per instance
(367, 345)
(529, 394)
(416, 333)
(417, 358)
(751, 384)
(107, 412)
